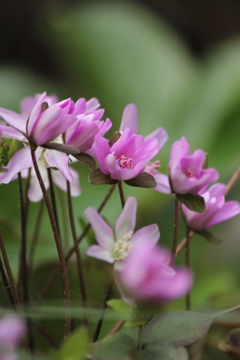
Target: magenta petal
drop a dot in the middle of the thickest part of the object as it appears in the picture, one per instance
(148, 234)
(229, 209)
(160, 134)
(103, 232)
(13, 119)
(59, 160)
(101, 150)
(127, 220)
(162, 183)
(35, 114)
(99, 253)
(92, 105)
(129, 119)
(180, 148)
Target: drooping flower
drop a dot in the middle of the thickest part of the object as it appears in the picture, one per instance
(114, 246)
(216, 209)
(186, 171)
(146, 277)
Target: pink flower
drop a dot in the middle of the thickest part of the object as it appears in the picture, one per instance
(114, 246)
(146, 277)
(12, 329)
(42, 126)
(216, 209)
(127, 157)
(130, 120)
(186, 171)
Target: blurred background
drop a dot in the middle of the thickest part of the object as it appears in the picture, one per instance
(178, 61)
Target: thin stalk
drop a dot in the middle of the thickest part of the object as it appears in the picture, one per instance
(46, 334)
(35, 236)
(65, 281)
(10, 275)
(77, 250)
(53, 197)
(117, 327)
(72, 250)
(6, 283)
(23, 269)
(139, 337)
(176, 230)
(104, 308)
(121, 193)
(187, 263)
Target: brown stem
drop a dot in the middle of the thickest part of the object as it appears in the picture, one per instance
(117, 327)
(9, 274)
(104, 308)
(121, 193)
(77, 250)
(46, 334)
(71, 251)
(176, 231)
(6, 283)
(23, 269)
(63, 267)
(232, 181)
(53, 198)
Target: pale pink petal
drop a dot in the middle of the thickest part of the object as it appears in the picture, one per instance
(229, 209)
(35, 114)
(60, 181)
(129, 119)
(127, 220)
(162, 183)
(13, 119)
(103, 232)
(21, 160)
(35, 192)
(59, 160)
(92, 105)
(149, 234)
(12, 330)
(11, 133)
(100, 253)
(160, 134)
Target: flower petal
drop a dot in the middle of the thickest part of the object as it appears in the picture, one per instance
(229, 209)
(99, 253)
(127, 220)
(59, 160)
(13, 119)
(148, 234)
(129, 119)
(103, 232)
(160, 134)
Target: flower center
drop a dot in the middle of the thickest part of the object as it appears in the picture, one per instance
(152, 167)
(188, 173)
(122, 246)
(125, 162)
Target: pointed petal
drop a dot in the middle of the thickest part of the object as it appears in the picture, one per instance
(160, 134)
(11, 133)
(99, 253)
(162, 183)
(127, 220)
(148, 234)
(92, 105)
(59, 160)
(229, 209)
(130, 119)
(60, 181)
(103, 232)
(20, 160)
(13, 119)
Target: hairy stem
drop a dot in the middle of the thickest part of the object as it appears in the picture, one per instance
(187, 262)
(52, 196)
(176, 230)
(121, 193)
(6, 283)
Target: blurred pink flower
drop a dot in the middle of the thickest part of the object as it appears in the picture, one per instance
(146, 277)
(217, 210)
(186, 171)
(114, 246)
(12, 331)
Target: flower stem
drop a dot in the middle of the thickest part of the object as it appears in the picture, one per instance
(233, 180)
(176, 230)
(72, 250)
(77, 251)
(104, 308)
(187, 262)
(23, 269)
(117, 327)
(120, 188)
(65, 281)
(6, 283)
(53, 198)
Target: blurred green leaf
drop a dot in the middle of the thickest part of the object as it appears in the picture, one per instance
(176, 328)
(155, 352)
(122, 308)
(75, 347)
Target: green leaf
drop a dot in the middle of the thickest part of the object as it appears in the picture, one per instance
(114, 347)
(205, 165)
(86, 159)
(193, 202)
(122, 308)
(75, 347)
(209, 237)
(97, 177)
(14, 147)
(115, 137)
(155, 352)
(176, 328)
(144, 180)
